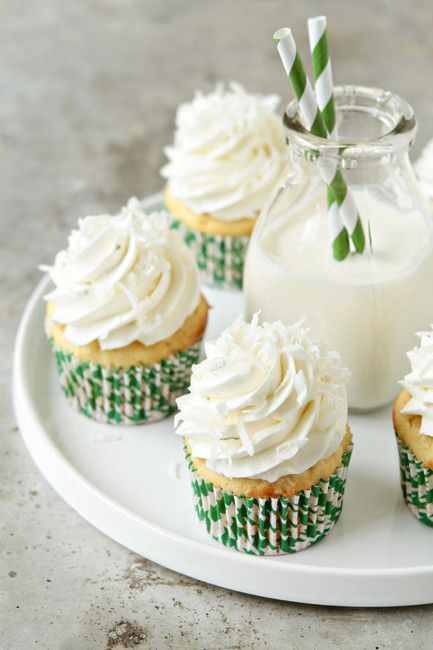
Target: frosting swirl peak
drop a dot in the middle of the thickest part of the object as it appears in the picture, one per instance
(266, 402)
(229, 152)
(419, 382)
(123, 278)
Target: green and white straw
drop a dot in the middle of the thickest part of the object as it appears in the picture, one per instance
(301, 84)
(322, 73)
(324, 88)
(338, 192)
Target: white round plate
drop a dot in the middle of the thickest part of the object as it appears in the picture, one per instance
(132, 484)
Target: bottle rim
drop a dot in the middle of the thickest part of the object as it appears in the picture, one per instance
(395, 118)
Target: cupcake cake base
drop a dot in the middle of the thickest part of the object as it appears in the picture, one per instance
(271, 525)
(134, 395)
(415, 455)
(219, 247)
(220, 258)
(416, 484)
(136, 384)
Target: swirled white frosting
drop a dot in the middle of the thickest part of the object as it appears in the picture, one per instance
(266, 402)
(123, 278)
(419, 382)
(228, 154)
(424, 170)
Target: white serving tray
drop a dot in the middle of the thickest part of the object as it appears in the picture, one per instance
(132, 484)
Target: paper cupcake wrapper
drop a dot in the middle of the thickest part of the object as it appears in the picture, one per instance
(273, 525)
(219, 258)
(135, 395)
(416, 484)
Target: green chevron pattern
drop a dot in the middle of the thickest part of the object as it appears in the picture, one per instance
(220, 259)
(133, 395)
(274, 525)
(416, 484)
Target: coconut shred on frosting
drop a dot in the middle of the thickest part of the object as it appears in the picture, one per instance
(123, 278)
(228, 153)
(267, 401)
(419, 382)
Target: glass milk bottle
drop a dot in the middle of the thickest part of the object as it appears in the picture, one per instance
(368, 306)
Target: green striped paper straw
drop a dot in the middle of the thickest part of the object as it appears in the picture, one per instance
(313, 118)
(301, 84)
(322, 73)
(324, 87)
(337, 189)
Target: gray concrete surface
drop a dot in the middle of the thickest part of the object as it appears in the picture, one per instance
(88, 91)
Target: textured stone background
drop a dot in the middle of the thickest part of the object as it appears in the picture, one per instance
(88, 94)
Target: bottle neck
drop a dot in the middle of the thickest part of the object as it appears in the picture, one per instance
(347, 159)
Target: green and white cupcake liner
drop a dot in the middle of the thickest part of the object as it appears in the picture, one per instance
(135, 395)
(219, 258)
(416, 484)
(270, 526)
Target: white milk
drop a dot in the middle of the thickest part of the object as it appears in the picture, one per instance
(367, 307)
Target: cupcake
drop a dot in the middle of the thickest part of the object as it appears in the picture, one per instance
(126, 317)
(266, 438)
(413, 425)
(229, 153)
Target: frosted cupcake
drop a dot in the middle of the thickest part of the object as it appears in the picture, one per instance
(126, 318)
(413, 424)
(228, 154)
(266, 438)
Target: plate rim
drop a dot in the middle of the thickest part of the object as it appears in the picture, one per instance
(39, 442)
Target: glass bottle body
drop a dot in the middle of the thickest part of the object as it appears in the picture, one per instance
(369, 306)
